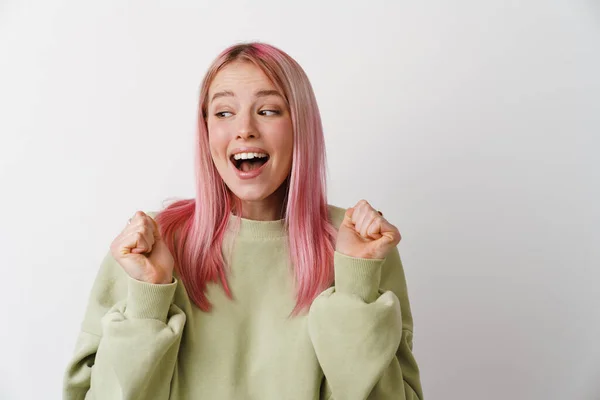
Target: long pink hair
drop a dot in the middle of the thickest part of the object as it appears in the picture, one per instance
(200, 223)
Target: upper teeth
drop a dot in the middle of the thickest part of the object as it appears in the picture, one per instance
(245, 156)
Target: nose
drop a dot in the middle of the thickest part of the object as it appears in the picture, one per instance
(246, 127)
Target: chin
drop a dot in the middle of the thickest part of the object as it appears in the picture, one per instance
(251, 194)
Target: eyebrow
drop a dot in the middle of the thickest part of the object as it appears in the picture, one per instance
(260, 93)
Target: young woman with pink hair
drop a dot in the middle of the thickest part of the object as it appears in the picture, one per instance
(256, 288)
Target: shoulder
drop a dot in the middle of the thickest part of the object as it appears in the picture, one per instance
(336, 215)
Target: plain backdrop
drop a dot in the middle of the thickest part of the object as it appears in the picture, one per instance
(474, 126)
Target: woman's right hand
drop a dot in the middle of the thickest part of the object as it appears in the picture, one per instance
(142, 253)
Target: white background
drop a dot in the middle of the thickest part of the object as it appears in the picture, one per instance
(474, 126)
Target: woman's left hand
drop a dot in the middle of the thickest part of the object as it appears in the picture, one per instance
(364, 233)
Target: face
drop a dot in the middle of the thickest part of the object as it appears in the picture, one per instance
(250, 132)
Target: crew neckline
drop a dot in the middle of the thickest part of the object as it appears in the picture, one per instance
(251, 228)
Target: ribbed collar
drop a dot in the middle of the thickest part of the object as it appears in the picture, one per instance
(250, 228)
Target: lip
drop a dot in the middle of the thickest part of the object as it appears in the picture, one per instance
(250, 174)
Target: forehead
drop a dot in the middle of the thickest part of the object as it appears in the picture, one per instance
(240, 76)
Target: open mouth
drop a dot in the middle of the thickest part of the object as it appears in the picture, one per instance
(249, 161)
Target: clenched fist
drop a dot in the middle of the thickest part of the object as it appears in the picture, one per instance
(142, 253)
(364, 233)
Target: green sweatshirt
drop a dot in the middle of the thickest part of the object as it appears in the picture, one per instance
(147, 341)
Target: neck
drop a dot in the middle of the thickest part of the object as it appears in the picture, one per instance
(269, 209)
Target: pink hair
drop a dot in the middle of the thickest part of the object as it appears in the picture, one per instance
(200, 223)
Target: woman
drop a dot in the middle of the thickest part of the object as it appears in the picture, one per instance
(231, 295)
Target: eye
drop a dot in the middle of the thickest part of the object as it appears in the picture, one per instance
(223, 114)
(268, 113)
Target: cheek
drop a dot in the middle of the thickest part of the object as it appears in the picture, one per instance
(216, 143)
(288, 142)
(283, 134)
(285, 146)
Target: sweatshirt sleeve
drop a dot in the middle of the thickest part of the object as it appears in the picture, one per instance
(361, 330)
(129, 339)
